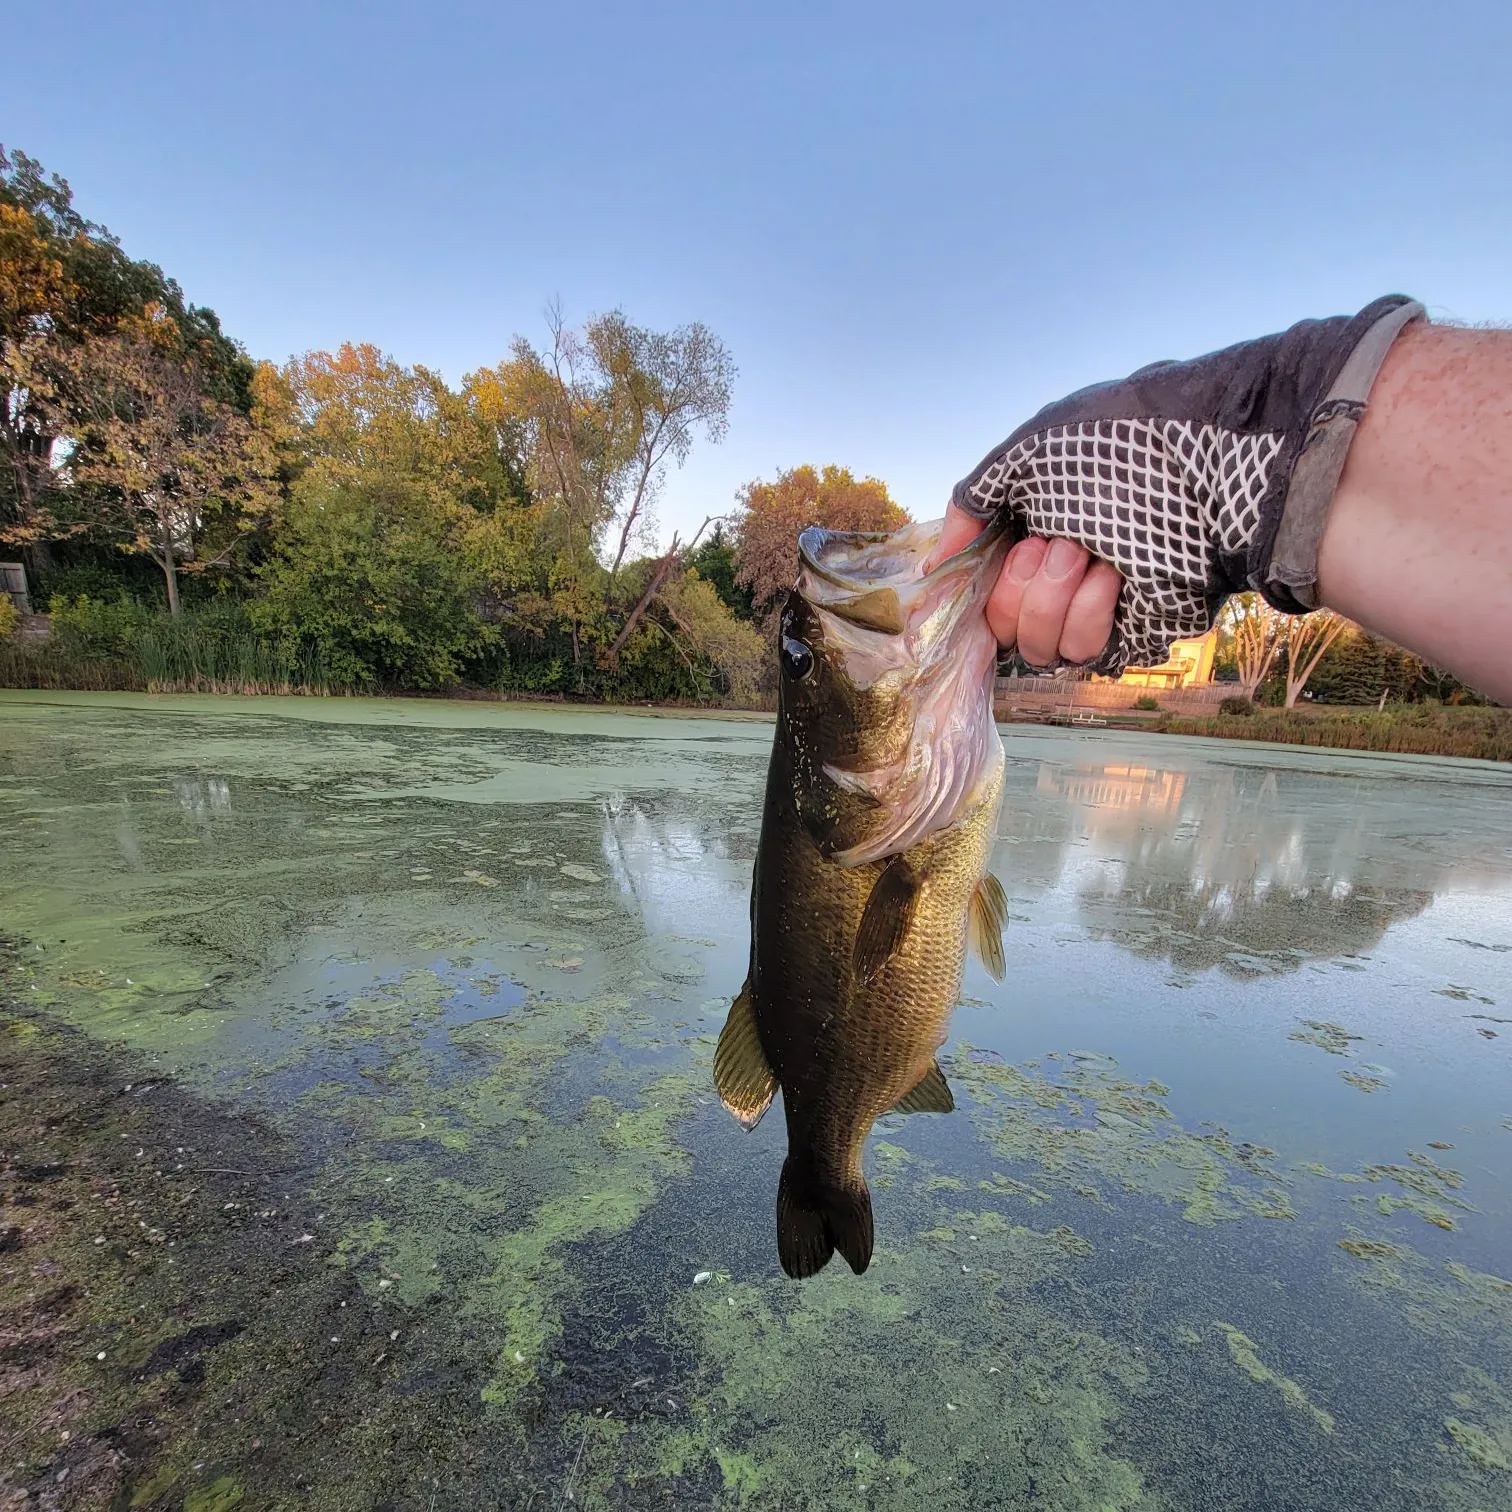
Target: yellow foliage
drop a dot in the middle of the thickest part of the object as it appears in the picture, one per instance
(735, 646)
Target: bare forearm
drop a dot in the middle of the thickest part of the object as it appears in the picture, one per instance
(1419, 540)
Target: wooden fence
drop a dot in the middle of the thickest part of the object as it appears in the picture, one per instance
(1053, 695)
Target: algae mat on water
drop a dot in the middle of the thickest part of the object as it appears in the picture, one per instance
(373, 1049)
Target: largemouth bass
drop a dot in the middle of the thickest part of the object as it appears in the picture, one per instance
(871, 870)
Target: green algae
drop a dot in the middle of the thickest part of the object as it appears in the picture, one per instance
(1423, 1187)
(1370, 1249)
(1093, 1131)
(1482, 1449)
(1334, 1038)
(1245, 1354)
(905, 1398)
(220, 1496)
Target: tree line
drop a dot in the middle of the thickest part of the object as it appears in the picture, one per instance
(342, 520)
(1277, 659)
(192, 517)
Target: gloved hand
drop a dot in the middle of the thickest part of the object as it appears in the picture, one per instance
(1197, 479)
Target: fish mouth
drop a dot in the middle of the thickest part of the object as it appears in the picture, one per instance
(935, 638)
(860, 575)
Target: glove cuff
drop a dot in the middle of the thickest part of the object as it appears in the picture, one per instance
(1283, 559)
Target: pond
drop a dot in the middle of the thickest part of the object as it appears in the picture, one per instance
(358, 1058)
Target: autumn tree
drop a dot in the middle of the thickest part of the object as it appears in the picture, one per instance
(33, 286)
(602, 414)
(65, 282)
(771, 516)
(177, 470)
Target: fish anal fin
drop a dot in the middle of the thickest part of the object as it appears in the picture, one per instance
(931, 1094)
(885, 920)
(988, 916)
(815, 1218)
(742, 1077)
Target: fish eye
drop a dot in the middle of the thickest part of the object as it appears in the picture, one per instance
(797, 659)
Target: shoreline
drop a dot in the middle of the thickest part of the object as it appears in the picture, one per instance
(1475, 733)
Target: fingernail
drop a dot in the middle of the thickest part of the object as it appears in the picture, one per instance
(1063, 559)
(1026, 559)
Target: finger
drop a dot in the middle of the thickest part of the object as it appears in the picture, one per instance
(1019, 568)
(959, 529)
(1089, 620)
(1047, 599)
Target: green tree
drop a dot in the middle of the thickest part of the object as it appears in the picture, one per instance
(714, 562)
(378, 575)
(1351, 671)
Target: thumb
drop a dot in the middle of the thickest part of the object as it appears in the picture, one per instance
(959, 529)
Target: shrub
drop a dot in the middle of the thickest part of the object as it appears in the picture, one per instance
(96, 580)
(1146, 703)
(1238, 706)
(373, 579)
(10, 616)
(94, 629)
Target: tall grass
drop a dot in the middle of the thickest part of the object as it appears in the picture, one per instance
(180, 657)
(122, 647)
(1411, 729)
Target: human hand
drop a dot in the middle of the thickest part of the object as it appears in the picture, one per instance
(1194, 480)
(1054, 601)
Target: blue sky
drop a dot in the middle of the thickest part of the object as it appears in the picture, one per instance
(912, 225)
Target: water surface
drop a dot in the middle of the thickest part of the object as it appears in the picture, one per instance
(1222, 1219)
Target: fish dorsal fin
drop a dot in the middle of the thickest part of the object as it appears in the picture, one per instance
(931, 1094)
(989, 913)
(742, 1077)
(885, 919)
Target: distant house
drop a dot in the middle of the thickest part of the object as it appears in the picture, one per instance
(1189, 664)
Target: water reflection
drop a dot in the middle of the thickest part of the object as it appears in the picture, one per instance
(475, 974)
(1241, 866)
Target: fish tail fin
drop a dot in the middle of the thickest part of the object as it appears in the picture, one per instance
(815, 1218)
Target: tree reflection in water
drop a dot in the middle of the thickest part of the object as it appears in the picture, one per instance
(1246, 868)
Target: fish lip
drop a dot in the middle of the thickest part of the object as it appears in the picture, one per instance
(811, 542)
(814, 538)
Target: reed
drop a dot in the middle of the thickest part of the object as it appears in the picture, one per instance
(209, 653)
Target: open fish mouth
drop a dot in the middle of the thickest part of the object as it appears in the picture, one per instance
(869, 578)
(886, 617)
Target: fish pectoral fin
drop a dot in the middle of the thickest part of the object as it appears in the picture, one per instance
(885, 920)
(989, 915)
(742, 1077)
(931, 1094)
